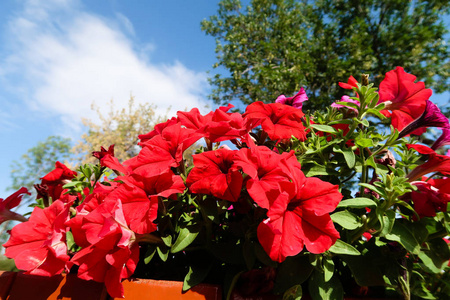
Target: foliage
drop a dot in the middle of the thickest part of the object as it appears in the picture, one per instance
(324, 202)
(273, 46)
(119, 127)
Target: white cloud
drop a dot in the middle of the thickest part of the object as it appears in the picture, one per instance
(67, 58)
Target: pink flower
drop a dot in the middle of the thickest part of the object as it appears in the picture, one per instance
(39, 245)
(295, 101)
(346, 98)
(9, 203)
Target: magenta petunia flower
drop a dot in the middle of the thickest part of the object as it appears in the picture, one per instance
(431, 117)
(295, 101)
(443, 140)
(346, 98)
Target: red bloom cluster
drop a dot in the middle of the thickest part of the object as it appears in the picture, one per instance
(112, 219)
(106, 223)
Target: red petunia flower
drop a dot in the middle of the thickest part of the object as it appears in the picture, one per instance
(213, 175)
(265, 171)
(428, 199)
(107, 159)
(299, 217)
(113, 252)
(52, 183)
(351, 83)
(163, 151)
(9, 203)
(435, 163)
(39, 245)
(277, 120)
(403, 97)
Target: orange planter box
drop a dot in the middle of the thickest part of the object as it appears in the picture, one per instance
(55, 288)
(168, 290)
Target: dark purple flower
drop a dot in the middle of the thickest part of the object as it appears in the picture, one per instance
(431, 117)
(295, 101)
(443, 140)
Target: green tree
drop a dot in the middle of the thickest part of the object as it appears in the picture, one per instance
(274, 47)
(37, 162)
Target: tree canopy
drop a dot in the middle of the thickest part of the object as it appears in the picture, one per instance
(118, 127)
(37, 162)
(274, 47)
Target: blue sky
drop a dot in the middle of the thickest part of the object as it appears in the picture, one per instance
(59, 56)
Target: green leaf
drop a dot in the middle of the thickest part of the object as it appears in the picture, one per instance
(149, 254)
(357, 203)
(436, 258)
(388, 222)
(404, 236)
(294, 293)
(328, 269)
(364, 142)
(376, 113)
(324, 128)
(349, 104)
(197, 273)
(167, 240)
(365, 270)
(163, 252)
(349, 156)
(319, 289)
(293, 271)
(341, 247)
(315, 170)
(186, 236)
(346, 219)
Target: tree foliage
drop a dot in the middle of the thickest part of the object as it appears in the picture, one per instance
(274, 47)
(118, 127)
(38, 161)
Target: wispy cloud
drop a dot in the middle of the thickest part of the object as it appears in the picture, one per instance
(61, 59)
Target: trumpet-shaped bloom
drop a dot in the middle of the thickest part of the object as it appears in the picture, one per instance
(213, 175)
(435, 163)
(351, 83)
(163, 151)
(403, 97)
(9, 203)
(52, 183)
(39, 245)
(431, 117)
(265, 172)
(113, 253)
(107, 159)
(295, 101)
(277, 120)
(299, 217)
(346, 98)
(443, 140)
(428, 199)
